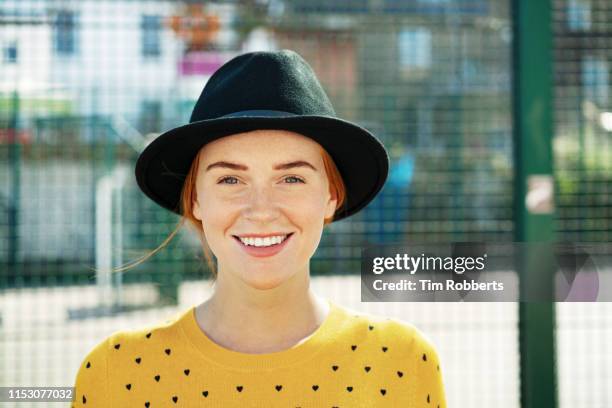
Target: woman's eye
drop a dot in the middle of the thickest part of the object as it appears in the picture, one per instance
(228, 180)
(234, 180)
(295, 179)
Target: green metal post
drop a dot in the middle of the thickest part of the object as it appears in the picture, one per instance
(14, 202)
(533, 131)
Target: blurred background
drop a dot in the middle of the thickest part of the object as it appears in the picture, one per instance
(84, 85)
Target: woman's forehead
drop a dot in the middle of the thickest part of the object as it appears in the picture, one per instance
(262, 143)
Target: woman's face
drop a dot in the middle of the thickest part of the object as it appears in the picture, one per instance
(262, 197)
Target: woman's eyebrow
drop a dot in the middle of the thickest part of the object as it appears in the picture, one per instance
(224, 164)
(293, 164)
(282, 166)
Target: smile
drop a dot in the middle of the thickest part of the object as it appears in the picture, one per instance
(263, 246)
(263, 242)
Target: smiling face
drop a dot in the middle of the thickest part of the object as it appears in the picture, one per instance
(262, 198)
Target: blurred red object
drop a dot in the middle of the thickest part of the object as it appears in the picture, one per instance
(196, 27)
(8, 136)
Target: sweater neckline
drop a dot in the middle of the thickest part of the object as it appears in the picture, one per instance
(324, 334)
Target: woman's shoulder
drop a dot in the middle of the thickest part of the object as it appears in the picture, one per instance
(95, 372)
(391, 330)
(135, 337)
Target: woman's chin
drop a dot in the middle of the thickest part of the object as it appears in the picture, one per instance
(262, 280)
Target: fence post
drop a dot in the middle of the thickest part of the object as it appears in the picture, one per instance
(14, 194)
(533, 163)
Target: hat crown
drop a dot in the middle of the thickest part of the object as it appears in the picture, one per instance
(279, 81)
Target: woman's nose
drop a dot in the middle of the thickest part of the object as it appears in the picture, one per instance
(261, 205)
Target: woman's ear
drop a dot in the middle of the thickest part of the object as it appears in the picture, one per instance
(330, 208)
(195, 210)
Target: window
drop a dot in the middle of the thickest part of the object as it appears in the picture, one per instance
(579, 15)
(414, 48)
(595, 80)
(151, 30)
(10, 53)
(65, 32)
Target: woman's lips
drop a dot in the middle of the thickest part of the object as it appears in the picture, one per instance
(261, 252)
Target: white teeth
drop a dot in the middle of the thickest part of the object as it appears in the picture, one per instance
(263, 242)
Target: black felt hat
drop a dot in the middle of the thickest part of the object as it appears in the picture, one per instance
(264, 90)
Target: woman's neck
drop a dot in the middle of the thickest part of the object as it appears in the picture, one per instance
(272, 320)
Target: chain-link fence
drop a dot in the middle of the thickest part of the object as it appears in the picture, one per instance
(85, 85)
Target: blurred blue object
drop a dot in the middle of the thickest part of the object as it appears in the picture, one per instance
(400, 173)
(386, 215)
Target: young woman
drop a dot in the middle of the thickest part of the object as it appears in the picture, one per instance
(262, 167)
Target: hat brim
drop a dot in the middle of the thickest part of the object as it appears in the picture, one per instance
(359, 156)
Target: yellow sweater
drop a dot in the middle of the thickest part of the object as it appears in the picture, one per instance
(351, 360)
